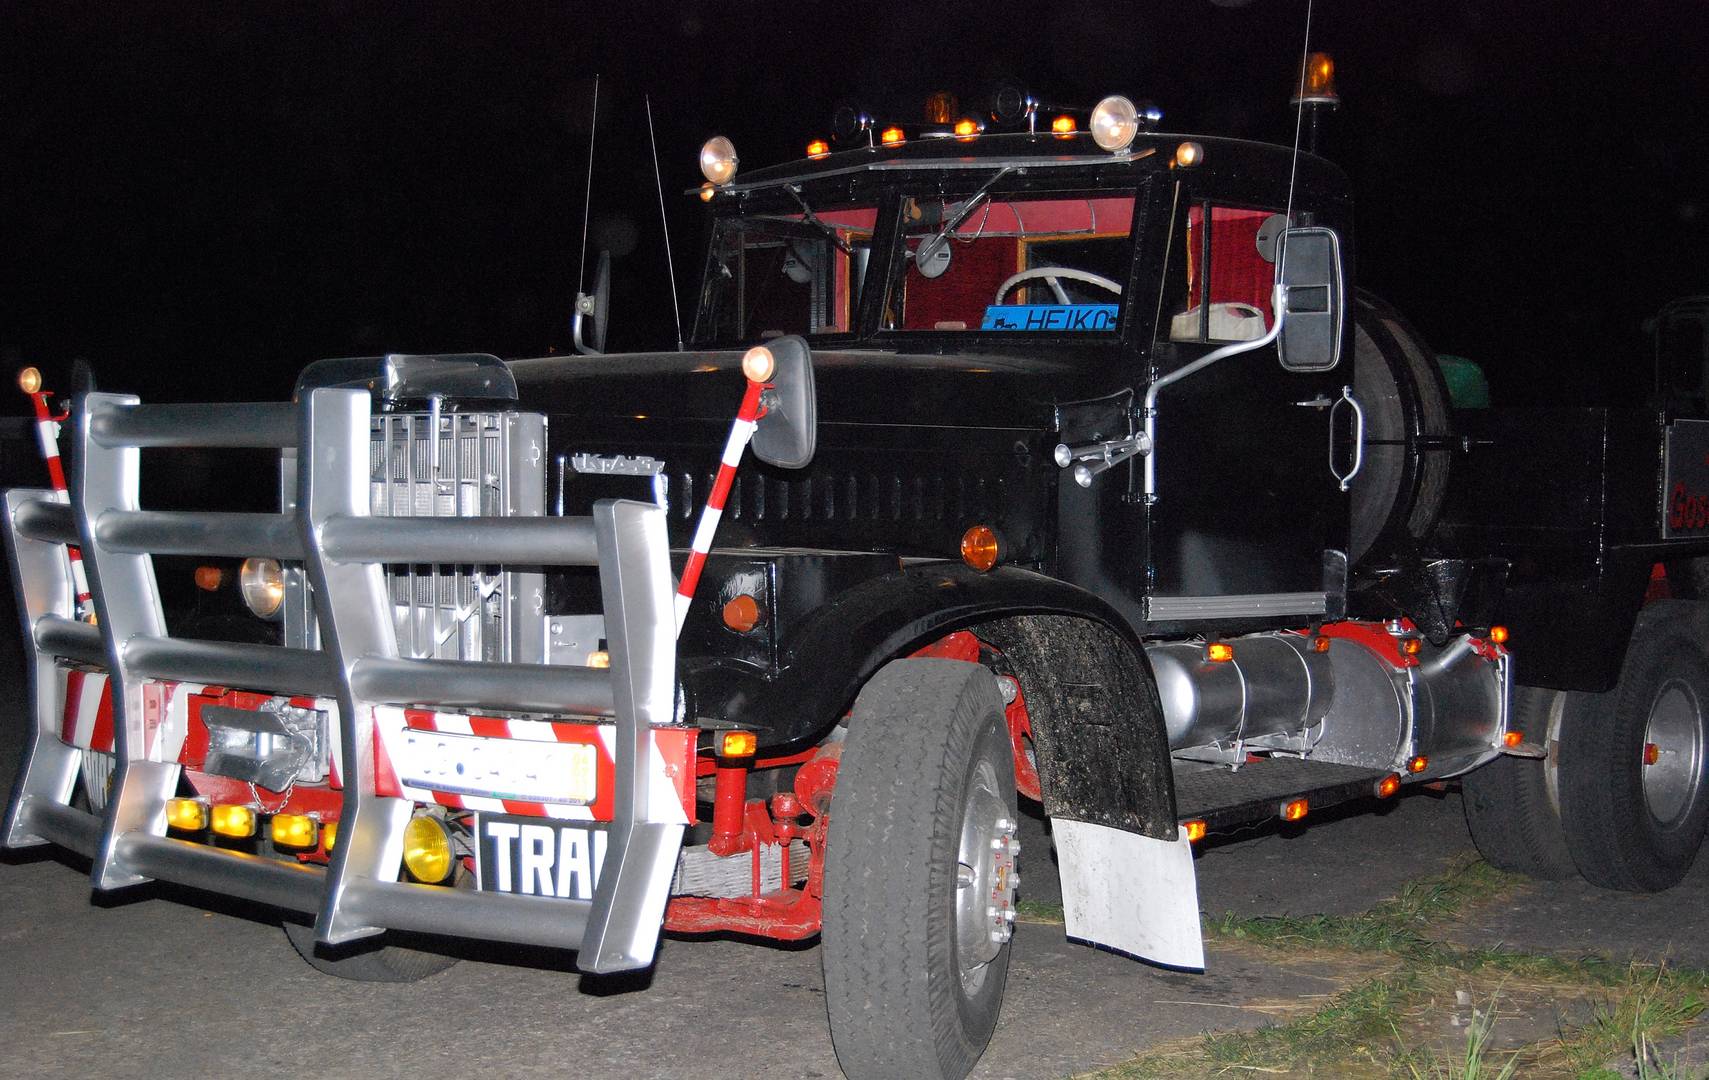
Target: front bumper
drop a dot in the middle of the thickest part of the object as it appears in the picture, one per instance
(343, 549)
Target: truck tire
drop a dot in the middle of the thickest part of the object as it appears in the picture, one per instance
(1630, 824)
(920, 844)
(1512, 819)
(364, 962)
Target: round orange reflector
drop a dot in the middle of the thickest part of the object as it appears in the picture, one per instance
(738, 744)
(1418, 764)
(1652, 753)
(1195, 830)
(818, 148)
(741, 613)
(892, 136)
(1219, 652)
(1498, 634)
(1388, 785)
(1063, 125)
(209, 578)
(1295, 809)
(1320, 644)
(1512, 739)
(1411, 646)
(979, 548)
(30, 381)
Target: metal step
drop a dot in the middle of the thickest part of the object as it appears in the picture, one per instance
(1222, 797)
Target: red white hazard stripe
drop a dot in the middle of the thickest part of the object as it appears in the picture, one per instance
(87, 719)
(741, 432)
(47, 434)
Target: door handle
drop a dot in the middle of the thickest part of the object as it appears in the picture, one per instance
(1318, 402)
(1358, 437)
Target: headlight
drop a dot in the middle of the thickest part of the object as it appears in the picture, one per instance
(263, 586)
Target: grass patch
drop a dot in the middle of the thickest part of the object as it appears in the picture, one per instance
(1438, 1012)
(1038, 911)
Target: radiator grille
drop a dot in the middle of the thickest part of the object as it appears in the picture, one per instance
(461, 465)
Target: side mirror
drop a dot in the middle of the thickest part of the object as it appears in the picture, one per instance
(1310, 259)
(789, 431)
(596, 308)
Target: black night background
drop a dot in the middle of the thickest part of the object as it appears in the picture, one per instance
(200, 198)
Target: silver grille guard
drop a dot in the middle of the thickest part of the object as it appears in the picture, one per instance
(343, 551)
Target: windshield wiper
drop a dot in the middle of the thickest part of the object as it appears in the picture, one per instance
(941, 237)
(810, 218)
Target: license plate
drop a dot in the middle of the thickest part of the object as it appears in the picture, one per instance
(531, 856)
(552, 772)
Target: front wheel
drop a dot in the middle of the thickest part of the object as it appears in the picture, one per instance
(920, 873)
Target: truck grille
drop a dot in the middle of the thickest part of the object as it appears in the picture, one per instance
(462, 465)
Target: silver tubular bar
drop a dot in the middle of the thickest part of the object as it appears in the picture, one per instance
(271, 667)
(166, 532)
(261, 425)
(57, 635)
(542, 541)
(529, 920)
(48, 521)
(42, 583)
(282, 884)
(461, 684)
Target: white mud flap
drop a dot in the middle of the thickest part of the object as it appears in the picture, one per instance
(1130, 893)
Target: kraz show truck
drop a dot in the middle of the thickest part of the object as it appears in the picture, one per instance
(1022, 455)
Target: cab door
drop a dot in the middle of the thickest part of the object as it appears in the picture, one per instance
(1247, 509)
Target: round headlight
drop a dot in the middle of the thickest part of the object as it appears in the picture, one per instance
(718, 160)
(1114, 123)
(263, 585)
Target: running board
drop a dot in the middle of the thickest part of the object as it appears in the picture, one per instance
(1257, 791)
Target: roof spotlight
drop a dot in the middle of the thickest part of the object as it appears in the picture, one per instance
(1115, 122)
(718, 160)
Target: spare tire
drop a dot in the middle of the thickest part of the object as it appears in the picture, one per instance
(1399, 491)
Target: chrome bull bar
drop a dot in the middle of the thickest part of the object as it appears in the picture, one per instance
(343, 551)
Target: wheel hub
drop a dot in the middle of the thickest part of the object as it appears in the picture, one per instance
(985, 878)
(1673, 753)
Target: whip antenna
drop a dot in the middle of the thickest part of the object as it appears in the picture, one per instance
(1299, 122)
(665, 221)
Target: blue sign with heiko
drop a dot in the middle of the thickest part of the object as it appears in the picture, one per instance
(1049, 317)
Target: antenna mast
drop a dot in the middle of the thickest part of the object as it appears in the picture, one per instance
(587, 192)
(670, 263)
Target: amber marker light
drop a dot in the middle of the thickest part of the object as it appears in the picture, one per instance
(329, 835)
(1512, 739)
(892, 136)
(30, 381)
(599, 658)
(707, 190)
(980, 548)
(190, 815)
(1498, 634)
(1411, 646)
(741, 613)
(1188, 154)
(966, 127)
(1320, 644)
(1064, 125)
(1295, 809)
(758, 364)
(1195, 830)
(1219, 652)
(234, 821)
(1418, 764)
(818, 148)
(1388, 785)
(738, 744)
(1652, 753)
(209, 578)
(293, 830)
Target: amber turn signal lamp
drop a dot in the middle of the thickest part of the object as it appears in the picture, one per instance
(190, 815)
(818, 148)
(980, 548)
(329, 835)
(1388, 785)
(235, 821)
(1418, 764)
(209, 578)
(599, 658)
(738, 744)
(30, 381)
(1063, 125)
(1512, 739)
(1195, 830)
(1320, 644)
(1652, 753)
(741, 613)
(892, 136)
(1411, 646)
(1498, 634)
(1219, 652)
(293, 830)
(1295, 809)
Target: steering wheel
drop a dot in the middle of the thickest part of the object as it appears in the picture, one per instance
(1054, 275)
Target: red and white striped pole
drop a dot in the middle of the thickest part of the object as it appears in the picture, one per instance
(47, 433)
(758, 365)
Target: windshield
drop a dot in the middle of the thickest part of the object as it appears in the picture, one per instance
(799, 273)
(1014, 263)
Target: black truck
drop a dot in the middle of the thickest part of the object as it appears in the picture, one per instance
(1013, 456)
